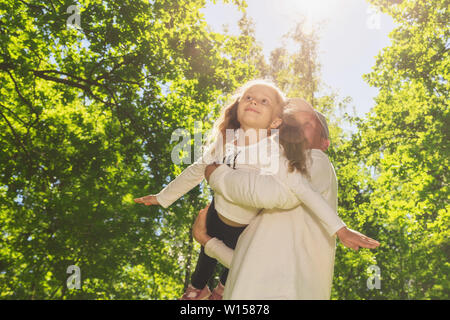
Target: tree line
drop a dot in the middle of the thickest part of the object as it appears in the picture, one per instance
(90, 97)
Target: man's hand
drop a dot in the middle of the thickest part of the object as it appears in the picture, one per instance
(355, 240)
(210, 169)
(147, 200)
(199, 227)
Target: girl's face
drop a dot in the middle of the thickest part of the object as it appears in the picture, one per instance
(258, 107)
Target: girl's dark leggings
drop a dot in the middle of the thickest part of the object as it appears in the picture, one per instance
(205, 264)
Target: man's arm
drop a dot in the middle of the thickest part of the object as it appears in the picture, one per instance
(214, 247)
(218, 250)
(249, 188)
(268, 191)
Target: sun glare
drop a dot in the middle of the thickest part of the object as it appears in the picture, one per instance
(313, 10)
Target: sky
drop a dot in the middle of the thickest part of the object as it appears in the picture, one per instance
(351, 34)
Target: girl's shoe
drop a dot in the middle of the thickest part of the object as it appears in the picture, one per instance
(217, 293)
(196, 294)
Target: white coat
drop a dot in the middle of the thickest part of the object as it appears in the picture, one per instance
(282, 254)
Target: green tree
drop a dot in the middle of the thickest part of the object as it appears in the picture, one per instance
(405, 142)
(86, 118)
(298, 73)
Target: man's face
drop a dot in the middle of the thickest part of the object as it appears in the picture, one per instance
(312, 129)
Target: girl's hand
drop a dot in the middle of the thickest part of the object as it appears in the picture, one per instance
(199, 227)
(355, 240)
(147, 200)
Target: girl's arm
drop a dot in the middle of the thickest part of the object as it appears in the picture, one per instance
(252, 189)
(184, 182)
(219, 251)
(283, 191)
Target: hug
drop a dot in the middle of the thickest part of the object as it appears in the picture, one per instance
(273, 221)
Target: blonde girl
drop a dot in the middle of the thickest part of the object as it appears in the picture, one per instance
(256, 109)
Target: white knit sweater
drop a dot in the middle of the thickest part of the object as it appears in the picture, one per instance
(260, 157)
(282, 254)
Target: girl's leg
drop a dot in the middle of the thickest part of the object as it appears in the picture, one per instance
(223, 277)
(231, 237)
(205, 264)
(203, 270)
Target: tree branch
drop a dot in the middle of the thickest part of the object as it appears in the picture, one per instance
(16, 136)
(16, 86)
(13, 113)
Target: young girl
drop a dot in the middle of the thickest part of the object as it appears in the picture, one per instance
(283, 254)
(259, 106)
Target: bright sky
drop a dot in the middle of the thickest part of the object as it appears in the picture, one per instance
(351, 35)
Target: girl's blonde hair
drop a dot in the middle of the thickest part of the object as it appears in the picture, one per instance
(293, 140)
(291, 135)
(228, 116)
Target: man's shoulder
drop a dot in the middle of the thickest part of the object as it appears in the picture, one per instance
(319, 156)
(322, 171)
(320, 164)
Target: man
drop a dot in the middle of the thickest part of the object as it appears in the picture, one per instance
(283, 254)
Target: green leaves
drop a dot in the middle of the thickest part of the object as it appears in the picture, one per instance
(406, 125)
(86, 117)
(83, 112)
